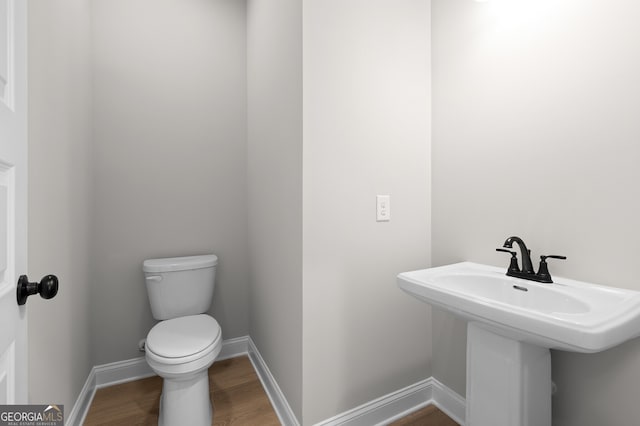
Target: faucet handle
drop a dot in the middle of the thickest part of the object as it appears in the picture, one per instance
(552, 256)
(543, 274)
(513, 266)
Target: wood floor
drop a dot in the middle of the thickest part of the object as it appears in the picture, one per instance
(428, 416)
(237, 395)
(236, 392)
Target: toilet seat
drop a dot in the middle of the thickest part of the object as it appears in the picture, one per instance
(183, 345)
(183, 337)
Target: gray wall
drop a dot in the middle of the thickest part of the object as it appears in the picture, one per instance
(164, 102)
(535, 133)
(324, 305)
(274, 49)
(59, 180)
(366, 132)
(169, 163)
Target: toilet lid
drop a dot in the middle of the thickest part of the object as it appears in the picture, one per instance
(183, 336)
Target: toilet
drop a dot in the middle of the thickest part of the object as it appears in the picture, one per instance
(186, 341)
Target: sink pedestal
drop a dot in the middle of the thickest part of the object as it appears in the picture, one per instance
(508, 382)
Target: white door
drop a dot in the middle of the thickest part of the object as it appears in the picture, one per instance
(13, 199)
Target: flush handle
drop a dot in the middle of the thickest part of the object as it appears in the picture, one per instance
(47, 288)
(153, 278)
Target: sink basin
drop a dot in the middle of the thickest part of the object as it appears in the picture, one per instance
(512, 325)
(568, 315)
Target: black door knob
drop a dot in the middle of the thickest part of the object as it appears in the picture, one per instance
(47, 287)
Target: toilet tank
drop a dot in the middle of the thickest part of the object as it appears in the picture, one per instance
(180, 286)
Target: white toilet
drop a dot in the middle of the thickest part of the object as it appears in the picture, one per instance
(184, 344)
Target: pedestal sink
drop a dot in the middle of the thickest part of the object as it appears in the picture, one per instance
(512, 325)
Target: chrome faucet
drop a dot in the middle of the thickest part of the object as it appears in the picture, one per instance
(527, 272)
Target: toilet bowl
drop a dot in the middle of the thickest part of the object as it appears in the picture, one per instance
(186, 342)
(181, 350)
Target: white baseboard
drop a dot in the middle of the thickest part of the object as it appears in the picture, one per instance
(450, 402)
(132, 369)
(232, 348)
(381, 411)
(277, 398)
(398, 404)
(122, 372)
(83, 402)
(386, 408)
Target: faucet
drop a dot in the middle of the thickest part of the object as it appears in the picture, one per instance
(527, 267)
(527, 272)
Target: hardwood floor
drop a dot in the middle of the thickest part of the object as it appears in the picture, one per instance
(428, 416)
(236, 392)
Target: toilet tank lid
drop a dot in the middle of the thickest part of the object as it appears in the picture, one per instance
(169, 264)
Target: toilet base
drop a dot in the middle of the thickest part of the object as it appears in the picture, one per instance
(186, 402)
